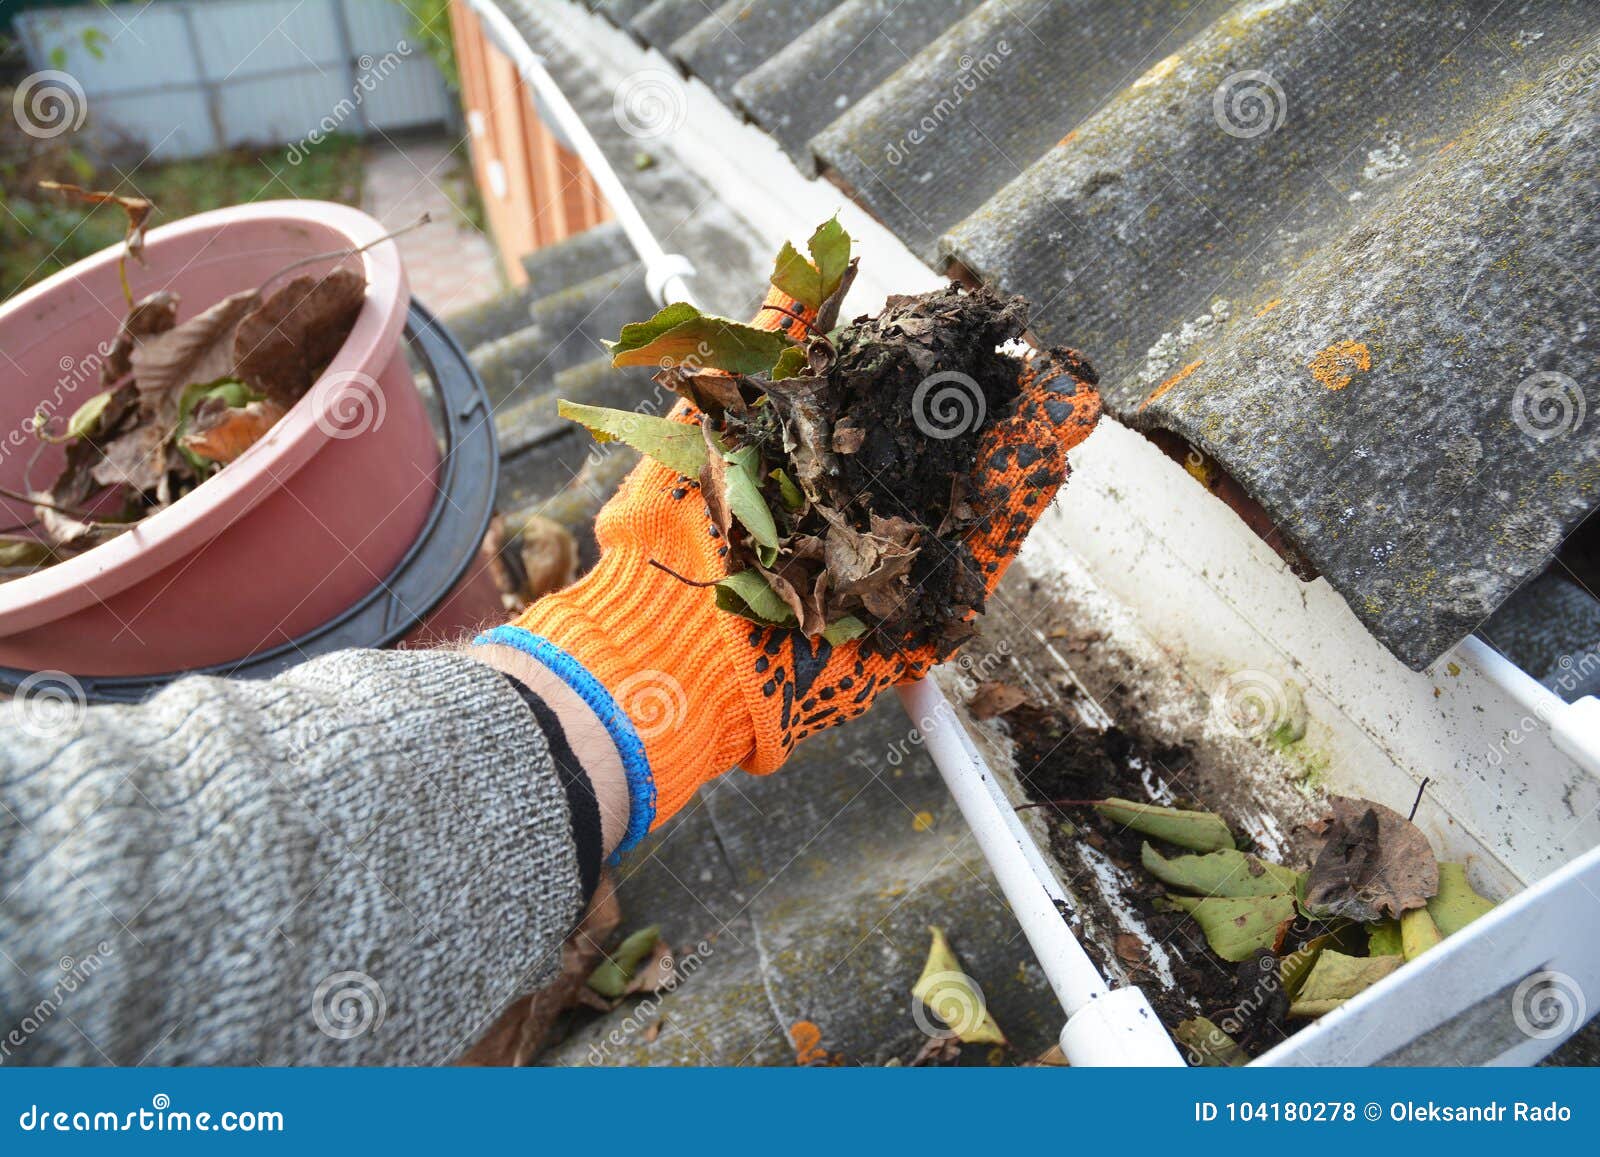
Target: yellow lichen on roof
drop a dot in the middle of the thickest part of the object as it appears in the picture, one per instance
(1337, 365)
(1172, 381)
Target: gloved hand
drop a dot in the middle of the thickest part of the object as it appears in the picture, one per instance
(703, 690)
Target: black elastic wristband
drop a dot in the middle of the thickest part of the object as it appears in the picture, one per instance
(581, 802)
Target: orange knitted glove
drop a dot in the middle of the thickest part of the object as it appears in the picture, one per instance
(705, 690)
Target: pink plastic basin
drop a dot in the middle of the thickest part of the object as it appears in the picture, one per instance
(294, 531)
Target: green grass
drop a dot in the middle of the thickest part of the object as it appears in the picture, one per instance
(40, 233)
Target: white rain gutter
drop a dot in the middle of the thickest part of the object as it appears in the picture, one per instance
(1105, 1026)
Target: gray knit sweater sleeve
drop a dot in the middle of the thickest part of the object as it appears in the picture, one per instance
(361, 861)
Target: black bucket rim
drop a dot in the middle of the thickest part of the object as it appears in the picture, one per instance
(469, 475)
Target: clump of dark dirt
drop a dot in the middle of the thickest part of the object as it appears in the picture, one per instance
(909, 397)
(919, 381)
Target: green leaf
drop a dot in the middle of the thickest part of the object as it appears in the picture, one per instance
(1197, 831)
(843, 630)
(812, 282)
(1224, 873)
(678, 446)
(745, 501)
(1383, 939)
(830, 249)
(1236, 928)
(1294, 967)
(787, 490)
(1417, 933)
(1456, 904)
(748, 595)
(233, 393)
(797, 277)
(85, 419)
(791, 363)
(1335, 978)
(611, 975)
(21, 552)
(1208, 1045)
(682, 335)
(638, 334)
(951, 995)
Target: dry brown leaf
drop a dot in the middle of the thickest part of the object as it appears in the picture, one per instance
(938, 1051)
(995, 698)
(656, 971)
(220, 433)
(147, 317)
(137, 208)
(847, 439)
(198, 352)
(282, 346)
(136, 459)
(869, 569)
(709, 390)
(1374, 863)
(653, 1030)
(1130, 948)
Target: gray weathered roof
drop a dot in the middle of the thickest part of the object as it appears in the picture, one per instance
(1346, 249)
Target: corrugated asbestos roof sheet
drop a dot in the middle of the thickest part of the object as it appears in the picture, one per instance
(1346, 249)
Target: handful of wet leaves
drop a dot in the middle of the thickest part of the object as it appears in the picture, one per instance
(837, 467)
(1374, 897)
(179, 400)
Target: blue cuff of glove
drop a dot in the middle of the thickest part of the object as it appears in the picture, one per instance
(641, 784)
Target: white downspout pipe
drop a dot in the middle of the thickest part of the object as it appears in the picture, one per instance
(1104, 1026)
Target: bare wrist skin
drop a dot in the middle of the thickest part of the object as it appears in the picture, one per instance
(585, 733)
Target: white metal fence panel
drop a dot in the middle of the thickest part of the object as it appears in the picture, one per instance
(183, 78)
